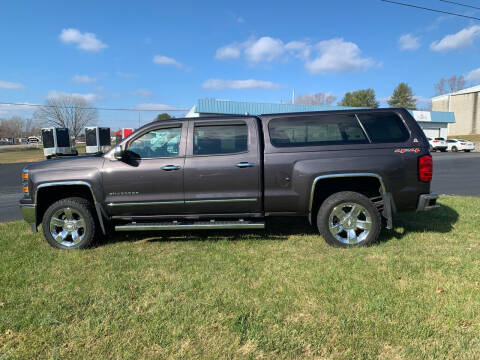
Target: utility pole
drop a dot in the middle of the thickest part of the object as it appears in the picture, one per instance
(293, 96)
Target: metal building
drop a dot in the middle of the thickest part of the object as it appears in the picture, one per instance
(465, 104)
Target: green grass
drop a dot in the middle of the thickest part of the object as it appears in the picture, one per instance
(279, 293)
(28, 155)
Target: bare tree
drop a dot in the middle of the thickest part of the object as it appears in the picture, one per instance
(440, 87)
(70, 111)
(316, 99)
(456, 83)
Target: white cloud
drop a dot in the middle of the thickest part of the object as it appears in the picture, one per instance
(126, 75)
(220, 84)
(264, 49)
(231, 51)
(334, 55)
(84, 41)
(11, 85)
(145, 93)
(299, 49)
(159, 107)
(337, 55)
(408, 42)
(165, 60)
(83, 79)
(473, 76)
(89, 97)
(462, 39)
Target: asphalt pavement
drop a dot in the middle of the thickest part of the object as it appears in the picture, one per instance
(454, 174)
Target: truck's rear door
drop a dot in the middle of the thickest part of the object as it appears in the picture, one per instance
(223, 167)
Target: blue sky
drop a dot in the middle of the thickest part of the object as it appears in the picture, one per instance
(149, 54)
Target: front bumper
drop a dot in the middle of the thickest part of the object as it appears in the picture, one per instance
(427, 202)
(29, 215)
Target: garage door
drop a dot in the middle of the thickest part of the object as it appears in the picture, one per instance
(432, 133)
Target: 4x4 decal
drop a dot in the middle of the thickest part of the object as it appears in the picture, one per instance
(403, 151)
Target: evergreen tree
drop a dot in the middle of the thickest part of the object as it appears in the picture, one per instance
(403, 97)
(360, 98)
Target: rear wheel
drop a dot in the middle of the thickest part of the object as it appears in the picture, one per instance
(443, 150)
(349, 219)
(69, 224)
(467, 150)
(454, 149)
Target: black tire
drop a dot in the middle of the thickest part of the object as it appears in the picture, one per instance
(454, 149)
(467, 150)
(332, 203)
(443, 150)
(49, 157)
(82, 223)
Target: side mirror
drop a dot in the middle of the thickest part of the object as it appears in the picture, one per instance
(118, 152)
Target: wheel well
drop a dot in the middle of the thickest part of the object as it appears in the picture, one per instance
(366, 185)
(48, 195)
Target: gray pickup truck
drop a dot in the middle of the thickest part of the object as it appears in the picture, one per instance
(347, 171)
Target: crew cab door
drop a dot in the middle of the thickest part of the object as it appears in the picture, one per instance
(223, 167)
(149, 180)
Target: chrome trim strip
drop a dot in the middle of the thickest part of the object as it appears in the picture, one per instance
(76, 182)
(220, 201)
(345, 175)
(181, 202)
(145, 203)
(139, 227)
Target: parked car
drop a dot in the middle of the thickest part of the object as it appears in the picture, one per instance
(438, 143)
(346, 171)
(460, 145)
(33, 140)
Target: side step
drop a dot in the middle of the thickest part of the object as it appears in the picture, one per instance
(197, 225)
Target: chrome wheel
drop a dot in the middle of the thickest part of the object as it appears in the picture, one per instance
(67, 227)
(350, 223)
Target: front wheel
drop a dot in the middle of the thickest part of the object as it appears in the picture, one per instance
(467, 150)
(454, 149)
(69, 224)
(349, 219)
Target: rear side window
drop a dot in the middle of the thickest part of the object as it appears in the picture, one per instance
(384, 127)
(220, 139)
(316, 130)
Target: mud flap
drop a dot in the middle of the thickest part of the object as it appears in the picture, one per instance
(388, 209)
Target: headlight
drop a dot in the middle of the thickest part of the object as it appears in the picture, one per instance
(25, 182)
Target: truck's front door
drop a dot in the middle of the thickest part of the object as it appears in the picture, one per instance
(149, 180)
(223, 167)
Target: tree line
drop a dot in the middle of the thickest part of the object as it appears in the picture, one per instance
(402, 95)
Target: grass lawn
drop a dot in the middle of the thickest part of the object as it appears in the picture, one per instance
(27, 155)
(279, 293)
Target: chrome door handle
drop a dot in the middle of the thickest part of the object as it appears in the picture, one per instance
(245, 164)
(170, 167)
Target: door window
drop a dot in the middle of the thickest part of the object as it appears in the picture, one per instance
(158, 143)
(220, 139)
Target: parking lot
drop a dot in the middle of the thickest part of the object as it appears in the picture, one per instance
(454, 174)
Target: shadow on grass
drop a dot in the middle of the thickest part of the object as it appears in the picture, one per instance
(438, 221)
(279, 229)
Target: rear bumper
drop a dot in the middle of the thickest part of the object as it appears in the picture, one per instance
(427, 202)
(29, 215)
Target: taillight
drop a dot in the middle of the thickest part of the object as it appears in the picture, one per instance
(463, 143)
(425, 168)
(435, 141)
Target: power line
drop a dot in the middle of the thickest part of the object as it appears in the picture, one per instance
(429, 9)
(90, 108)
(460, 4)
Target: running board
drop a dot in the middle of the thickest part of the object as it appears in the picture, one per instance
(198, 225)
